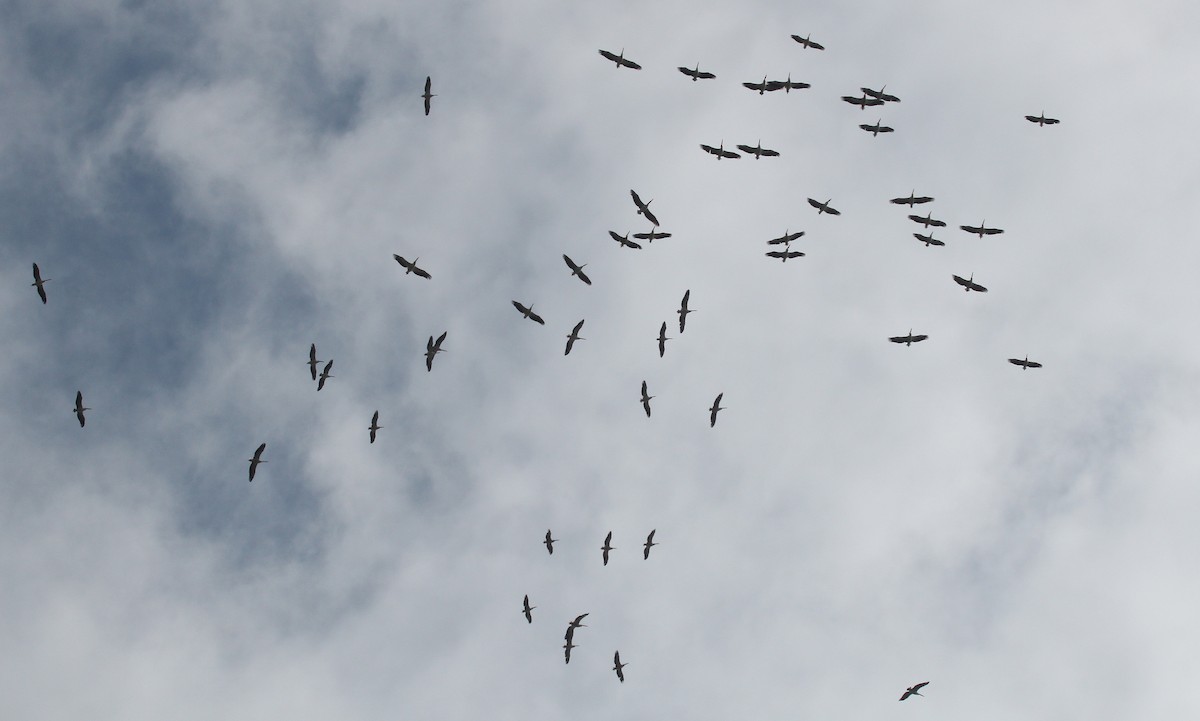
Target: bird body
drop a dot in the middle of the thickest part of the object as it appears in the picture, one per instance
(432, 348)
(567, 648)
(788, 85)
(646, 399)
(644, 208)
(662, 339)
(824, 207)
(712, 412)
(786, 238)
(374, 425)
(683, 309)
(574, 336)
(624, 240)
(876, 129)
(1041, 120)
(325, 375)
(880, 95)
(79, 409)
(719, 151)
(528, 313)
(928, 220)
(928, 240)
(912, 199)
(528, 610)
(618, 666)
(758, 151)
(620, 60)
(649, 542)
(410, 266)
(914, 690)
(762, 87)
(312, 360)
(428, 95)
(39, 282)
(909, 339)
(577, 270)
(808, 43)
(607, 547)
(864, 102)
(549, 542)
(696, 74)
(1025, 364)
(784, 255)
(651, 236)
(969, 284)
(256, 460)
(981, 229)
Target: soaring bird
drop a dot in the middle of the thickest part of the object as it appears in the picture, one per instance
(908, 339)
(662, 339)
(577, 270)
(864, 102)
(758, 151)
(618, 666)
(432, 348)
(696, 74)
(312, 360)
(1024, 363)
(620, 60)
(712, 412)
(428, 95)
(876, 129)
(624, 240)
(528, 313)
(644, 208)
(79, 409)
(374, 425)
(788, 85)
(808, 43)
(549, 542)
(325, 375)
(784, 255)
(255, 460)
(651, 236)
(969, 284)
(914, 690)
(577, 623)
(683, 309)
(719, 151)
(928, 220)
(528, 610)
(786, 238)
(981, 229)
(574, 336)
(824, 207)
(912, 199)
(762, 87)
(880, 95)
(607, 547)
(646, 399)
(1041, 120)
(928, 240)
(38, 281)
(649, 542)
(567, 647)
(410, 266)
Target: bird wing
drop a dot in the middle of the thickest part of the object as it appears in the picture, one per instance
(814, 45)
(770, 153)
(1050, 121)
(649, 216)
(577, 327)
(705, 76)
(1032, 118)
(614, 236)
(991, 231)
(937, 223)
(650, 538)
(832, 211)
(609, 55)
(687, 71)
(637, 201)
(428, 83)
(583, 277)
(421, 272)
(522, 309)
(919, 338)
(630, 64)
(899, 339)
(886, 129)
(747, 148)
(1032, 364)
(776, 254)
(708, 148)
(919, 686)
(970, 228)
(978, 287)
(631, 244)
(922, 199)
(729, 154)
(814, 203)
(401, 260)
(686, 294)
(961, 280)
(536, 318)
(438, 343)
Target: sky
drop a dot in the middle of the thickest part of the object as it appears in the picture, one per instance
(213, 187)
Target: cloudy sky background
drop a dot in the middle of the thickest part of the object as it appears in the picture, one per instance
(213, 189)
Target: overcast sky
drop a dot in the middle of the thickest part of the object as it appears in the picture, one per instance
(212, 187)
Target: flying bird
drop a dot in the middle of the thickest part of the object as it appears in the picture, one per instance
(410, 266)
(577, 270)
(880, 95)
(549, 542)
(758, 151)
(528, 313)
(607, 547)
(808, 43)
(928, 240)
(374, 425)
(567, 647)
(577, 623)
(325, 375)
(624, 240)
(255, 460)
(528, 610)
(824, 207)
(719, 151)
(651, 236)
(618, 666)
(786, 238)
(928, 220)
(649, 542)
(646, 399)
(1041, 120)
(696, 74)
(981, 229)
(969, 284)
(762, 87)
(683, 309)
(428, 95)
(79, 409)
(908, 339)
(662, 339)
(39, 281)
(312, 360)
(574, 336)
(784, 255)
(876, 129)
(788, 85)
(864, 102)
(914, 690)
(912, 199)
(1024, 363)
(432, 348)
(620, 60)
(716, 406)
(644, 208)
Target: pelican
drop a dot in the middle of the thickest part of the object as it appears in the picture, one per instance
(1024, 363)
(719, 151)
(914, 690)
(969, 284)
(784, 255)
(428, 95)
(876, 129)
(646, 399)
(374, 425)
(644, 208)
(862, 102)
(788, 85)
(549, 542)
(696, 74)
(624, 240)
(567, 647)
(662, 339)
(758, 151)
(762, 87)
(824, 207)
(808, 43)
(528, 610)
(908, 339)
(573, 337)
(617, 666)
(607, 547)
(716, 406)
(880, 95)
(928, 220)
(432, 348)
(928, 240)
(79, 409)
(1041, 120)
(912, 199)
(253, 461)
(38, 281)
(649, 542)
(577, 623)
(981, 229)
(652, 236)
(528, 313)
(620, 60)
(325, 375)
(683, 309)
(577, 270)
(786, 238)
(410, 266)
(312, 360)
